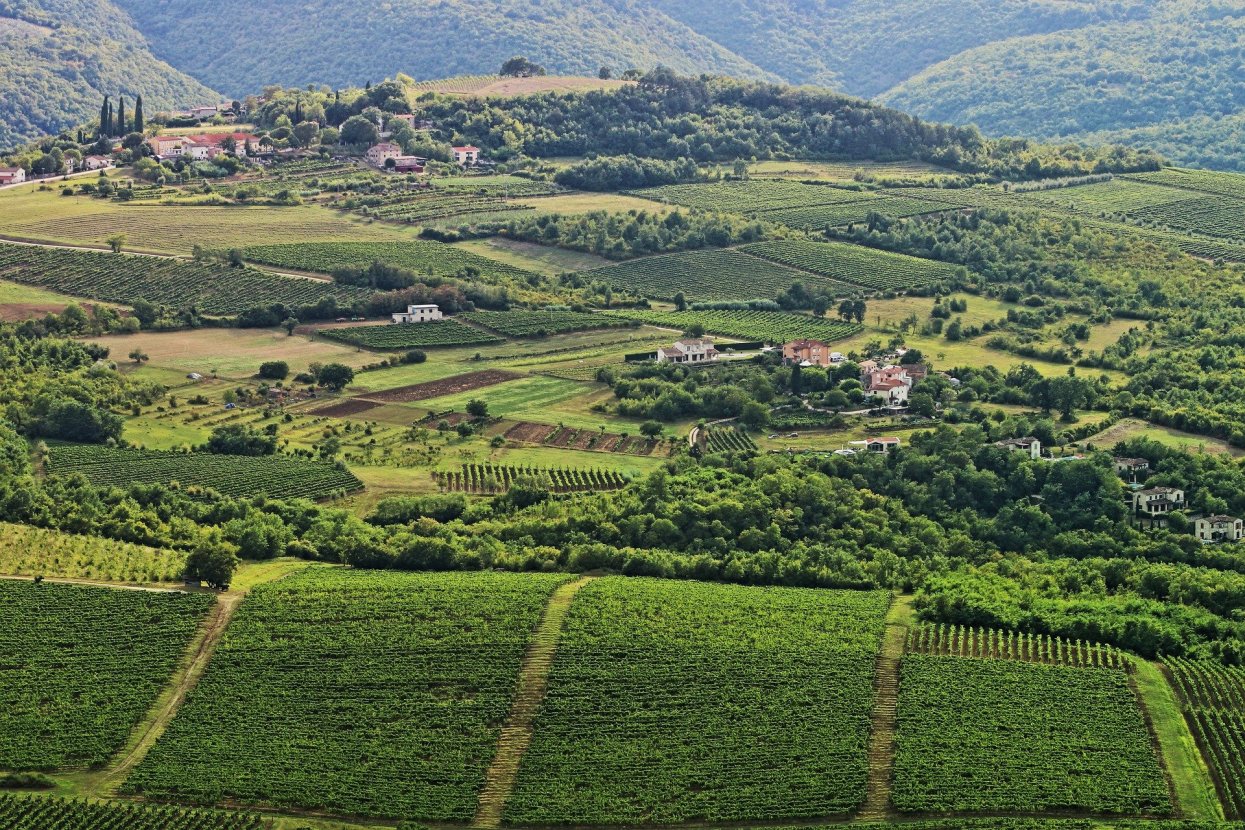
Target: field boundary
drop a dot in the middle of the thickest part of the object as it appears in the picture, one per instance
(516, 734)
(877, 804)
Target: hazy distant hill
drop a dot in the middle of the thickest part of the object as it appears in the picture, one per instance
(59, 57)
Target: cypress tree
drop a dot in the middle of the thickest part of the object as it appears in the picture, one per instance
(108, 119)
(138, 114)
(103, 118)
(121, 115)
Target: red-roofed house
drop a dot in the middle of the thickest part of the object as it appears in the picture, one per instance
(466, 155)
(882, 445)
(211, 145)
(809, 353)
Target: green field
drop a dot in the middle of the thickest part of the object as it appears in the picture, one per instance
(364, 693)
(540, 323)
(709, 275)
(1004, 736)
(209, 288)
(33, 551)
(434, 259)
(866, 267)
(427, 335)
(676, 702)
(761, 326)
(280, 477)
(1212, 698)
(80, 666)
(750, 197)
(75, 814)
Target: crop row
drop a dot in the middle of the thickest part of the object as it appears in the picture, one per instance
(1016, 737)
(358, 692)
(680, 702)
(750, 197)
(854, 264)
(499, 478)
(1212, 215)
(429, 334)
(1205, 181)
(74, 814)
(434, 259)
(80, 666)
(729, 439)
(120, 278)
(942, 640)
(820, 217)
(761, 326)
(1213, 699)
(35, 551)
(541, 323)
(714, 274)
(280, 477)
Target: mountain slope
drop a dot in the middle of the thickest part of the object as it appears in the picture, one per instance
(58, 58)
(1184, 65)
(340, 44)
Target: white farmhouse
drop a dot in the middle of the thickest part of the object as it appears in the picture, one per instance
(688, 351)
(1209, 529)
(418, 314)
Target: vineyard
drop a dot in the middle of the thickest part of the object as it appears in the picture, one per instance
(427, 335)
(490, 479)
(570, 438)
(1213, 699)
(119, 278)
(34, 551)
(820, 217)
(760, 326)
(361, 692)
(281, 477)
(79, 667)
(728, 439)
(855, 264)
(969, 739)
(709, 275)
(942, 640)
(1205, 181)
(724, 703)
(64, 814)
(750, 197)
(421, 257)
(541, 323)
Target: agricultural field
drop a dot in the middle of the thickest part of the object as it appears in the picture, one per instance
(212, 289)
(32, 551)
(750, 198)
(359, 692)
(427, 335)
(758, 326)
(456, 385)
(419, 256)
(850, 171)
(1130, 428)
(528, 256)
(678, 702)
(1204, 181)
(27, 302)
(942, 640)
(279, 476)
(968, 741)
(728, 439)
(82, 665)
(570, 438)
(819, 217)
(541, 323)
(1115, 196)
(1212, 697)
(855, 264)
(77, 814)
(708, 275)
(494, 479)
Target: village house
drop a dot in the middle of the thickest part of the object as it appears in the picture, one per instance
(1211, 529)
(1028, 445)
(688, 351)
(1132, 470)
(378, 154)
(466, 155)
(809, 353)
(890, 385)
(409, 164)
(418, 314)
(1158, 501)
(200, 113)
(96, 162)
(882, 445)
(211, 145)
(12, 175)
(167, 146)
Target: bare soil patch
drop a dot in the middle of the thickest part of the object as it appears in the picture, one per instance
(16, 312)
(440, 388)
(346, 408)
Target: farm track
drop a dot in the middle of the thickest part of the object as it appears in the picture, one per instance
(516, 735)
(202, 649)
(885, 708)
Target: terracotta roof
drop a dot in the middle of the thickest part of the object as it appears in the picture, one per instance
(884, 441)
(467, 149)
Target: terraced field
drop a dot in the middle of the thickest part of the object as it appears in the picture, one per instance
(673, 702)
(364, 693)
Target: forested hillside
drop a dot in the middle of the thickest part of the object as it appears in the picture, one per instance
(58, 58)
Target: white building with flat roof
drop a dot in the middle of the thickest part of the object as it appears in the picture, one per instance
(418, 314)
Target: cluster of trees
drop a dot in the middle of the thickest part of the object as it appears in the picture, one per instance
(628, 172)
(636, 232)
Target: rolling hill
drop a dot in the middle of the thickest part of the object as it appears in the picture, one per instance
(58, 58)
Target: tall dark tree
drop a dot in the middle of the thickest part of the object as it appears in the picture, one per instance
(120, 125)
(105, 126)
(138, 114)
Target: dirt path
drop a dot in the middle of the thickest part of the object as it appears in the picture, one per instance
(885, 707)
(166, 706)
(516, 735)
